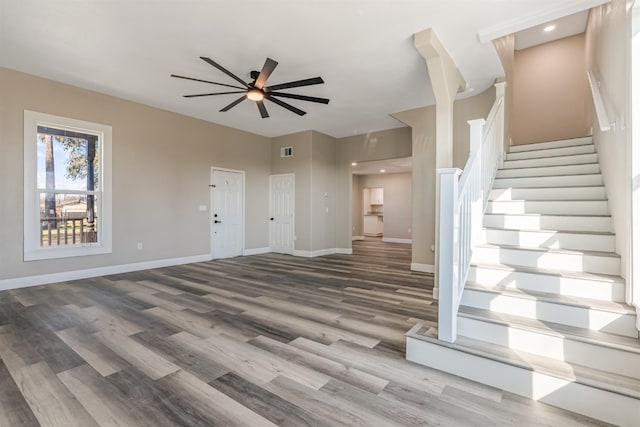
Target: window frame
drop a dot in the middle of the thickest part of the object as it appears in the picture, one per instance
(32, 249)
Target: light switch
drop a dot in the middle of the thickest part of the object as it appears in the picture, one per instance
(203, 208)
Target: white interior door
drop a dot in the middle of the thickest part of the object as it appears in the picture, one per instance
(282, 208)
(227, 213)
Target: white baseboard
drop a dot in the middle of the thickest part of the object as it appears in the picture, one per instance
(357, 238)
(256, 251)
(322, 252)
(44, 279)
(423, 268)
(396, 240)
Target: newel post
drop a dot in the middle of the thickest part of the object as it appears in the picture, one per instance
(447, 259)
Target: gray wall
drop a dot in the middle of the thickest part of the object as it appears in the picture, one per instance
(161, 166)
(323, 192)
(397, 202)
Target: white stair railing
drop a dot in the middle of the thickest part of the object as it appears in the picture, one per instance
(462, 204)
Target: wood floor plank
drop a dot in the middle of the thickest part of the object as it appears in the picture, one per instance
(95, 353)
(14, 410)
(101, 400)
(272, 407)
(146, 360)
(356, 377)
(214, 403)
(51, 402)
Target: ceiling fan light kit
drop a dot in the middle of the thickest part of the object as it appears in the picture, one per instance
(257, 91)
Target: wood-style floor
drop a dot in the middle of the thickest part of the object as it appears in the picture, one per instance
(259, 340)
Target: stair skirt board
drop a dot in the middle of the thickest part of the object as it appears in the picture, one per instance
(554, 346)
(604, 289)
(594, 402)
(579, 316)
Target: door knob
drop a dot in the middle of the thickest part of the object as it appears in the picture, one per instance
(217, 222)
(270, 219)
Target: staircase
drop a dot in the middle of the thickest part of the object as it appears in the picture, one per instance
(542, 314)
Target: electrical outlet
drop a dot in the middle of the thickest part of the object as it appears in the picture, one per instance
(139, 246)
(409, 230)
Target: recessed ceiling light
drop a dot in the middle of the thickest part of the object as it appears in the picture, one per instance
(354, 164)
(382, 170)
(549, 28)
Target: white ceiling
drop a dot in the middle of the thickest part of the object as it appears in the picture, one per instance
(363, 49)
(564, 27)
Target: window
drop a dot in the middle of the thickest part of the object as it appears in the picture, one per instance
(67, 187)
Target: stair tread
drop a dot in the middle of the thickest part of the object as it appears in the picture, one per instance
(565, 370)
(547, 166)
(579, 139)
(600, 233)
(539, 215)
(594, 304)
(549, 176)
(551, 250)
(605, 339)
(549, 272)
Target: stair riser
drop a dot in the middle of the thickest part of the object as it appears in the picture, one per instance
(583, 353)
(570, 207)
(551, 240)
(551, 144)
(580, 317)
(553, 152)
(549, 170)
(548, 260)
(551, 161)
(566, 286)
(548, 181)
(555, 193)
(611, 407)
(548, 222)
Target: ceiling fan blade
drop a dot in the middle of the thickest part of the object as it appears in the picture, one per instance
(224, 70)
(267, 69)
(233, 104)
(285, 105)
(297, 83)
(263, 109)
(205, 81)
(300, 97)
(215, 93)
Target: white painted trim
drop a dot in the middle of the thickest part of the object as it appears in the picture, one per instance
(598, 104)
(357, 238)
(396, 240)
(522, 22)
(256, 251)
(43, 279)
(31, 212)
(323, 252)
(422, 268)
(343, 251)
(244, 180)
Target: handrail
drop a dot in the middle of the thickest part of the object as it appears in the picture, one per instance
(598, 103)
(461, 205)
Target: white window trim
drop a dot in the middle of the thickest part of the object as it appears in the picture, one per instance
(32, 249)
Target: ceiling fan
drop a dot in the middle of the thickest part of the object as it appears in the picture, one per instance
(257, 91)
